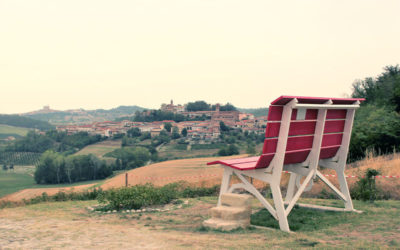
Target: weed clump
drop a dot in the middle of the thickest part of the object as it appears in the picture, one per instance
(365, 188)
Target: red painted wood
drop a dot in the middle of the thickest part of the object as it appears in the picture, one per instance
(334, 126)
(296, 156)
(270, 145)
(296, 128)
(272, 129)
(336, 114)
(302, 128)
(294, 114)
(300, 142)
(275, 113)
(311, 114)
(332, 139)
(264, 161)
(328, 152)
(293, 143)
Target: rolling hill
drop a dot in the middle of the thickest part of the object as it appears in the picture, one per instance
(81, 116)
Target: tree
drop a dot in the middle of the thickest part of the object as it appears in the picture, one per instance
(223, 127)
(184, 132)
(233, 150)
(198, 106)
(230, 150)
(134, 132)
(175, 133)
(168, 127)
(377, 122)
(56, 168)
(226, 107)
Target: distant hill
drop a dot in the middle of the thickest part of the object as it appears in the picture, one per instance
(24, 122)
(81, 116)
(256, 112)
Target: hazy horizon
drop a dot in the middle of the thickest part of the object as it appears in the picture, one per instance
(101, 54)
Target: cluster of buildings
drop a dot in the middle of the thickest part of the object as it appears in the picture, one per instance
(207, 130)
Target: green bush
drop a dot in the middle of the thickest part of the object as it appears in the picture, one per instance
(365, 188)
(140, 196)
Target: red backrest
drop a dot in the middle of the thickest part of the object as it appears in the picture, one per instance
(302, 129)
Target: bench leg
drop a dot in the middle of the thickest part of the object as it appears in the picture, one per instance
(291, 187)
(226, 179)
(280, 208)
(344, 188)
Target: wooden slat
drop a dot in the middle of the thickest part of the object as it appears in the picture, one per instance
(296, 128)
(264, 161)
(311, 114)
(328, 152)
(299, 142)
(270, 145)
(296, 156)
(336, 114)
(272, 129)
(334, 126)
(275, 113)
(332, 139)
(302, 128)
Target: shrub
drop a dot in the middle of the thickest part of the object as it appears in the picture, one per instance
(138, 196)
(365, 188)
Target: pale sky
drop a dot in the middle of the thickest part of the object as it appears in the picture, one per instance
(101, 54)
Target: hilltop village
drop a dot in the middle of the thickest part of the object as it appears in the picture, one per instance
(206, 128)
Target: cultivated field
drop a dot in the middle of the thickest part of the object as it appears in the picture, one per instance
(69, 225)
(101, 148)
(191, 170)
(6, 129)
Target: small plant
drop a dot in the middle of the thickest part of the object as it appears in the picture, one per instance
(365, 188)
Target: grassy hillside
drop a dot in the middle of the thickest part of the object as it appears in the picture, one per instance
(101, 148)
(26, 122)
(7, 130)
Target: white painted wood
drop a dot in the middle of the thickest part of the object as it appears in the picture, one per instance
(331, 186)
(298, 193)
(301, 114)
(226, 179)
(280, 208)
(291, 187)
(251, 189)
(323, 106)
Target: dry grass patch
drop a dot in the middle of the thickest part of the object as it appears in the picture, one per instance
(70, 225)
